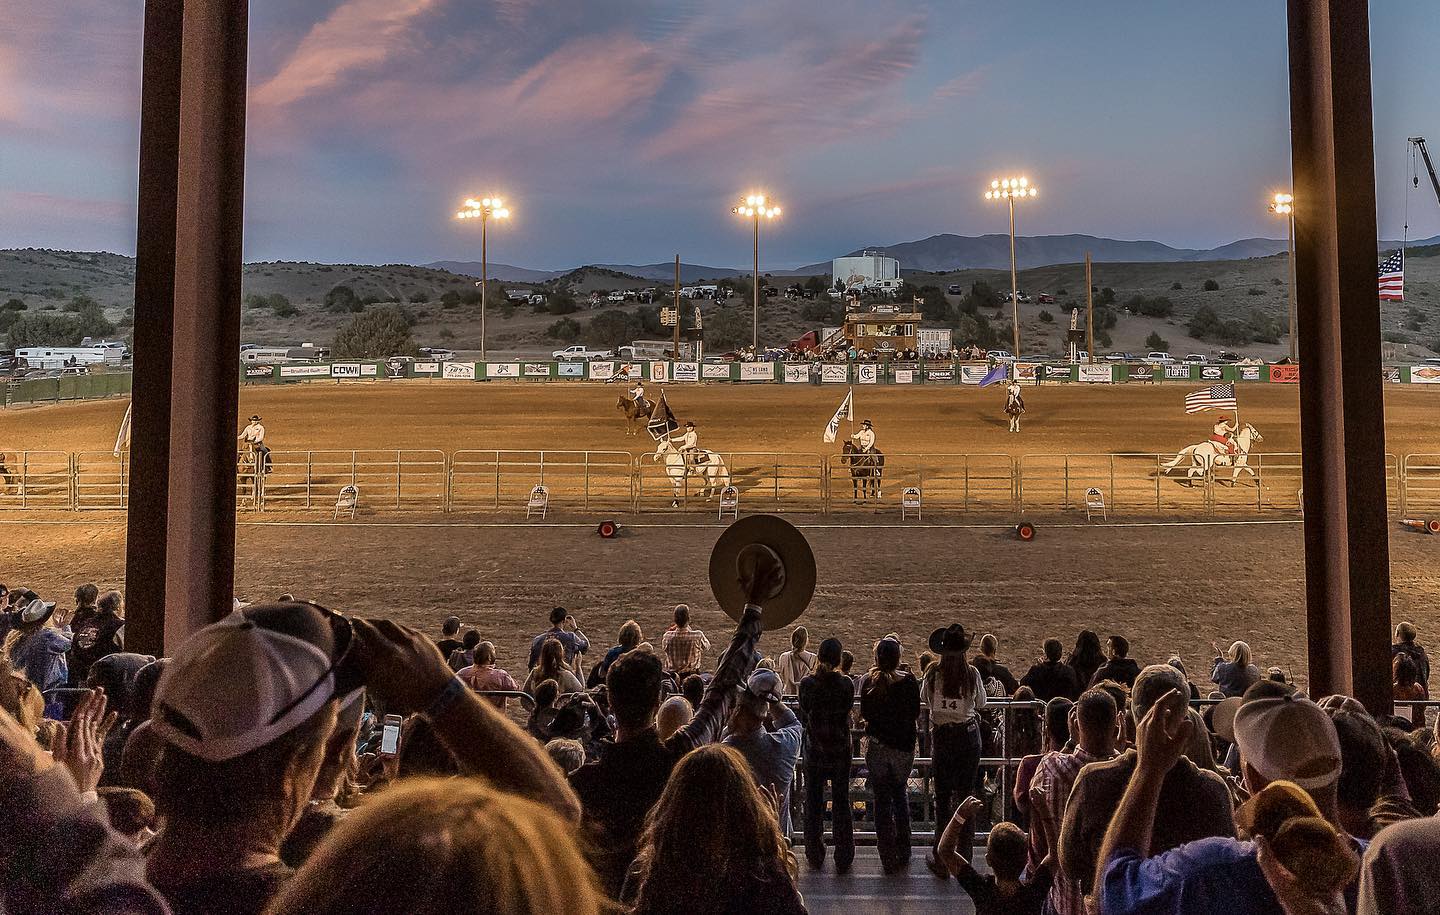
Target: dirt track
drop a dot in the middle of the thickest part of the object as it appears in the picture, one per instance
(1171, 589)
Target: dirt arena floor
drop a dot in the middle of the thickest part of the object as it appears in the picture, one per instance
(1170, 588)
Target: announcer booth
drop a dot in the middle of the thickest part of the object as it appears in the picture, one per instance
(883, 330)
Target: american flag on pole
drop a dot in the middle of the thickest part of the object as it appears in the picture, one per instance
(1215, 397)
(1392, 278)
(846, 411)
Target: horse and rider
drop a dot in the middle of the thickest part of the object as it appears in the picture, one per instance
(1014, 404)
(684, 458)
(637, 409)
(866, 462)
(1228, 446)
(256, 452)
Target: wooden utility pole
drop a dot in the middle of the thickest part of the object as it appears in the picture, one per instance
(1089, 313)
(677, 307)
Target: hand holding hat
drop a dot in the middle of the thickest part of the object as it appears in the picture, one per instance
(765, 561)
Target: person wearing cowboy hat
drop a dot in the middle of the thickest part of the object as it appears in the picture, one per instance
(689, 447)
(37, 647)
(865, 438)
(953, 691)
(253, 438)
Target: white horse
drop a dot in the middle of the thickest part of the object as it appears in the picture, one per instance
(711, 469)
(1205, 456)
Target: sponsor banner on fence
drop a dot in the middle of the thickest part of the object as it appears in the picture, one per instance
(632, 371)
(1285, 374)
(757, 371)
(1391, 375)
(867, 373)
(1211, 373)
(494, 370)
(570, 369)
(940, 375)
(1096, 374)
(537, 370)
(904, 376)
(1419, 374)
(352, 370)
(660, 371)
(1141, 372)
(1027, 371)
(1056, 372)
(304, 371)
(715, 371)
(973, 374)
(259, 371)
(1249, 372)
(600, 371)
(797, 374)
(426, 368)
(834, 374)
(1177, 371)
(685, 371)
(465, 370)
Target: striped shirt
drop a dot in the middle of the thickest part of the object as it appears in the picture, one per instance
(684, 649)
(1049, 792)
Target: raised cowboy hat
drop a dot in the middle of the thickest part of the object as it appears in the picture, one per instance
(865, 422)
(949, 638)
(37, 611)
(255, 418)
(736, 546)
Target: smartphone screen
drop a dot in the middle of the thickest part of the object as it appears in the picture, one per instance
(390, 735)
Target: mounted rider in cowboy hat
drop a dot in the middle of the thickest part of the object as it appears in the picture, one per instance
(1223, 435)
(637, 394)
(865, 438)
(689, 447)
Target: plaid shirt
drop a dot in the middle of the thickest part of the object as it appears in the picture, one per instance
(1053, 780)
(684, 649)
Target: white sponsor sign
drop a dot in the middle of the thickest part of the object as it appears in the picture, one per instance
(716, 370)
(973, 374)
(1249, 373)
(834, 374)
(660, 371)
(867, 374)
(304, 371)
(494, 370)
(1096, 374)
(426, 368)
(537, 370)
(685, 371)
(904, 376)
(1211, 373)
(460, 370)
(345, 370)
(1424, 374)
(797, 374)
(600, 371)
(757, 371)
(1177, 371)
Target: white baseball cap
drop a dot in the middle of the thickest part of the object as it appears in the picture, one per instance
(1289, 738)
(241, 683)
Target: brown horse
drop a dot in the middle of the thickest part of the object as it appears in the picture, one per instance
(866, 468)
(634, 416)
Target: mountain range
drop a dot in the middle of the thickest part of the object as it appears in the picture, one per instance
(942, 253)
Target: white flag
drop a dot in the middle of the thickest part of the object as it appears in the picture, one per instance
(122, 438)
(846, 411)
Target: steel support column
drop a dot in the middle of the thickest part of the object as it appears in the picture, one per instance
(206, 186)
(1342, 428)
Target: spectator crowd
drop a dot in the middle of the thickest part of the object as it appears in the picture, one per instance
(292, 759)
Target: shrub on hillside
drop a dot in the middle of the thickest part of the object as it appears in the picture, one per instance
(16, 305)
(1254, 290)
(281, 306)
(561, 302)
(375, 334)
(612, 328)
(1210, 286)
(566, 330)
(1156, 342)
(1176, 286)
(1395, 336)
(1158, 306)
(1046, 317)
(80, 303)
(419, 297)
(46, 329)
(341, 299)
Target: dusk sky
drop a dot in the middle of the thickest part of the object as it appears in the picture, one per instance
(623, 130)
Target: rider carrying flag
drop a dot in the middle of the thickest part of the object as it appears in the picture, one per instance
(637, 394)
(865, 438)
(1222, 435)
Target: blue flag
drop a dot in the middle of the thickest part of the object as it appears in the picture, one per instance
(993, 376)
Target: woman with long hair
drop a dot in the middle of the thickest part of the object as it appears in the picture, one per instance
(797, 663)
(712, 844)
(955, 696)
(1085, 659)
(551, 666)
(890, 705)
(445, 847)
(1233, 672)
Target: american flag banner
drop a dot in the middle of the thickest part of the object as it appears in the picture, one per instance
(1392, 278)
(1215, 397)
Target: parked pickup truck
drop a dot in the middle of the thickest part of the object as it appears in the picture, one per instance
(578, 353)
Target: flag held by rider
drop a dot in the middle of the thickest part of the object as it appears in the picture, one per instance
(994, 376)
(662, 420)
(846, 411)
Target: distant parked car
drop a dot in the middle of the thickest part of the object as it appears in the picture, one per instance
(579, 353)
(953, 289)
(1045, 298)
(1159, 358)
(1119, 357)
(999, 355)
(1226, 356)
(436, 354)
(1195, 359)
(616, 296)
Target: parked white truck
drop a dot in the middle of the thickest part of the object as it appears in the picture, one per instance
(578, 353)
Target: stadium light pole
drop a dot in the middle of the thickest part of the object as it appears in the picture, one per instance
(1283, 204)
(484, 209)
(756, 208)
(1008, 189)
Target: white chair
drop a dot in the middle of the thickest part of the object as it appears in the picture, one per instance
(729, 502)
(539, 501)
(1095, 503)
(910, 502)
(347, 501)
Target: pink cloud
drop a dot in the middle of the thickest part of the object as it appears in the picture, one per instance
(358, 34)
(964, 84)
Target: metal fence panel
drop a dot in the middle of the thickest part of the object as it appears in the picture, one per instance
(766, 480)
(500, 480)
(36, 480)
(947, 482)
(387, 480)
(1130, 483)
(102, 480)
(1421, 476)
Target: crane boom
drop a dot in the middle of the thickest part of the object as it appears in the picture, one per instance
(1419, 143)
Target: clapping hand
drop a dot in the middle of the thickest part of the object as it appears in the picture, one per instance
(78, 742)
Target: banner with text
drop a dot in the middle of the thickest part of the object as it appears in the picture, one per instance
(685, 371)
(1096, 374)
(834, 374)
(1285, 374)
(715, 371)
(304, 371)
(460, 370)
(797, 374)
(757, 371)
